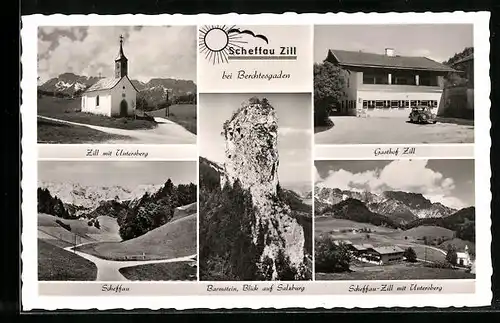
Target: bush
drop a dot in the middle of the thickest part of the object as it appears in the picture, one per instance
(331, 257)
(439, 264)
(410, 255)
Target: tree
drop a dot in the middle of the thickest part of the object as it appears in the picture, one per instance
(328, 91)
(451, 255)
(331, 257)
(410, 254)
(141, 103)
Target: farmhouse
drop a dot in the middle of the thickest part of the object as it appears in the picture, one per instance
(387, 84)
(360, 250)
(112, 97)
(463, 258)
(387, 254)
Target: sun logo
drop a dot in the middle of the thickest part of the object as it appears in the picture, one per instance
(215, 41)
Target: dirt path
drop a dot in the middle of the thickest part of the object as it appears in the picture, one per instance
(109, 270)
(167, 132)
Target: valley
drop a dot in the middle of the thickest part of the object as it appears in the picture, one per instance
(375, 240)
(96, 243)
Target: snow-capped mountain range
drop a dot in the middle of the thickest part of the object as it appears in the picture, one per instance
(405, 206)
(90, 196)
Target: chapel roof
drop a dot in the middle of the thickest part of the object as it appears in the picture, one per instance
(347, 58)
(107, 84)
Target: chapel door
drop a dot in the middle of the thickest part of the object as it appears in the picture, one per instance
(123, 108)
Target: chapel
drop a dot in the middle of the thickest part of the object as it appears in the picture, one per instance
(112, 96)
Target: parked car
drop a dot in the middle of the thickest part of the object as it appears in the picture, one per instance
(422, 114)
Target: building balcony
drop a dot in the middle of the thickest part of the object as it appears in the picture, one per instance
(399, 88)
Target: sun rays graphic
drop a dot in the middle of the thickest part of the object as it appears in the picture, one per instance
(215, 41)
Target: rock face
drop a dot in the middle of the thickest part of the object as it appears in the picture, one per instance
(251, 137)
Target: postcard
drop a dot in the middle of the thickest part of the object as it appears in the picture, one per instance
(256, 161)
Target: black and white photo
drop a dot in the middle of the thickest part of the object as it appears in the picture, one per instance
(399, 84)
(394, 219)
(255, 187)
(117, 221)
(117, 85)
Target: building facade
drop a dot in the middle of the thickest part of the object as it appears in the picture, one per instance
(464, 258)
(115, 96)
(387, 84)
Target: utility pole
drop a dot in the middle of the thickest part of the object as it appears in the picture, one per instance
(167, 107)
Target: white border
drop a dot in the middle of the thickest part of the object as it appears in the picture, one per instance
(482, 296)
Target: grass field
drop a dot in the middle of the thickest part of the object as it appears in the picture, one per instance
(174, 239)
(69, 110)
(80, 231)
(162, 271)
(182, 114)
(430, 232)
(403, 271)
(55, 263)
(327, 224)
(53, 132)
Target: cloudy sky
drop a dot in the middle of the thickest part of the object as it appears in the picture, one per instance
(122, 173)
(294, 130)
(449, 181)
(152, 52)
(437, 42)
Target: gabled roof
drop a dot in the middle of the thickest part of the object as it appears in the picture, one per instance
(361, 247)
(388, 250)
(362, 59)
(107, 84)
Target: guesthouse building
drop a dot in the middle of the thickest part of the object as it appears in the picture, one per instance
(113, 96)
(387, 254)
(387, 84)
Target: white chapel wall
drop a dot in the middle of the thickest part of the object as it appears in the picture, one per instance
(90, 100)
(117, 97)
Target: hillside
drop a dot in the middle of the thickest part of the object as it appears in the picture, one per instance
(171, 240)
(355, 210)
(55, 230)
(462, 222)
(55, 263)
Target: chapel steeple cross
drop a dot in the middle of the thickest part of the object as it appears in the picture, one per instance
(121, 62)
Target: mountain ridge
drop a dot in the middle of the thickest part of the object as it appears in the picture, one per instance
(153, 91)
(402, 206)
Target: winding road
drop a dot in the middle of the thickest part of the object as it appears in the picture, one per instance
(109, 270)
(167, 132)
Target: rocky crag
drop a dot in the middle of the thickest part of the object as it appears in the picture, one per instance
(251, 157)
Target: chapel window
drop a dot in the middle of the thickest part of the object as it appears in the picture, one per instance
(97, 101)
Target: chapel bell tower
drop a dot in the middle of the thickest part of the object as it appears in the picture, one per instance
(121, 62)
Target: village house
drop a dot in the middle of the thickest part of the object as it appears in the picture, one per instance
(360, 250)
(115, 96)
(464, 258)
(387, 254)
(387, 84)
